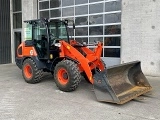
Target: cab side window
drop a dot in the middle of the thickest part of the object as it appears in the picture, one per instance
(39, 31)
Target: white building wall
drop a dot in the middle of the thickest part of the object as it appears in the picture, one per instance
(141, 34)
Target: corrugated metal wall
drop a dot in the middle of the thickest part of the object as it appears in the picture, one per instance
(5, 32)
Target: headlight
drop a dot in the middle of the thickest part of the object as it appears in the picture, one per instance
(58, 44)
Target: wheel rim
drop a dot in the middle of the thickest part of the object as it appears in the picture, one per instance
(63, 76)
(28, 71)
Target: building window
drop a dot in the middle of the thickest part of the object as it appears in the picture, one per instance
(17, 14)
(56, 13)
(81, 10)
(67, 2)
(113, 18)
(55, 3)
(95, 39)
(17, 5)
(95, 19)
(44, 14)
(113, 6)
(81, 20)
(112, 52)
(44, 5)
(112, 41)
(82, 31)
(17, 20)
(68, 11)
(96, 8)
(112, 29)
(96, 30)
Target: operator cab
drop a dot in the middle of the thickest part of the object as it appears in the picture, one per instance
(43, 34)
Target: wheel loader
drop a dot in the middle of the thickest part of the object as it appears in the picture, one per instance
(48, 48)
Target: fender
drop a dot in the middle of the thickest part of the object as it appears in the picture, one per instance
(20, 60)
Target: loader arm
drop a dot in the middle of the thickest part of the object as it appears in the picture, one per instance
(85, 64)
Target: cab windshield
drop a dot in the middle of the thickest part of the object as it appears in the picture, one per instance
(58, 30)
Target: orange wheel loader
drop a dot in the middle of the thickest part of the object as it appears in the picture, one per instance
(47, 48)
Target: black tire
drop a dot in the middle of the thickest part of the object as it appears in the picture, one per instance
(36, 74)
(71, 76)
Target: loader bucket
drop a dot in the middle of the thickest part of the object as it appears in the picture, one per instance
(121, 83)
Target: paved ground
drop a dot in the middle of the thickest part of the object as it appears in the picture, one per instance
(43, 101)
